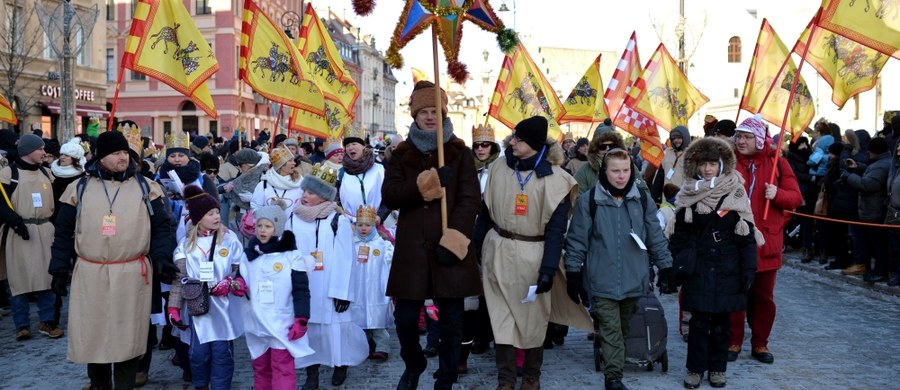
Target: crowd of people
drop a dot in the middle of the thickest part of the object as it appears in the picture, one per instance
(312, 251)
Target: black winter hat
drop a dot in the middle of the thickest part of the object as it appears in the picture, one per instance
(533, 131)
(109, 142)
(198, 203)
(200, 142)
(52, 146)
(725, 127)
(878, 145)
(278, 140)
(208, 161)
(836, 148)
(582, 142)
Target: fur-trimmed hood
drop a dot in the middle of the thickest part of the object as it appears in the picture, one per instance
(593, 155)
(708, 149)
(556, 156)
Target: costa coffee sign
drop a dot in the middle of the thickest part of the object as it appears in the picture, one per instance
(80, 94)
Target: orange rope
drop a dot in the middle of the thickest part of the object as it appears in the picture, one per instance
(843, 221)
(139, 258)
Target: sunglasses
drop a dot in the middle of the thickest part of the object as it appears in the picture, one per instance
(482, 145)
(607, 146)
(212, 171)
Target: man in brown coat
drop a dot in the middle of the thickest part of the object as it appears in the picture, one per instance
(429, 263)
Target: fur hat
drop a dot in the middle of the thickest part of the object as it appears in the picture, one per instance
(321, 182)
(533, 131)
(28, 143)
(708, 149)
(208, 161)
(198, 203)
(280, 156)
(109, 142)
(423, 97)
(246, 156)
(274, 214)
(754, 125)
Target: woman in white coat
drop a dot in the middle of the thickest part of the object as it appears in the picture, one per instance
(279, 186)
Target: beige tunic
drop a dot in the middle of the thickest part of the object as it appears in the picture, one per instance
(511, 266)
(27, 261)
(111, 284)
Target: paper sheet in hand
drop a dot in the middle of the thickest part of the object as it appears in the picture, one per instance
(532, 294)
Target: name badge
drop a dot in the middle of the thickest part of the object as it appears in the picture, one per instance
(320, 260)
(266, 292)
(37, 200)
(670, 173)
(206, 271)
(521, 204)
(638, 240)
(108, 226)
(362, 255)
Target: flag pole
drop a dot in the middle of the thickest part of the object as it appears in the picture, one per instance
(787, 108)
(755, 53)
(440, 122)
(278, 121)
(237, 112)
(112, 112)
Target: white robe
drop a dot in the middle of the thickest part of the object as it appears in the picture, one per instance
(266, 325)
(264, 194)
(335, 338)
(372, 309)
(224, 320)
(353, 187)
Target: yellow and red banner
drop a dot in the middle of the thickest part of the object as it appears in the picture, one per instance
(627, 72)
(663, 92)
(6, 112)
(165, 44)
(875, 24)
(270, 63)
(522, 92)
(769, 82)
(584, 103)
(849, 67)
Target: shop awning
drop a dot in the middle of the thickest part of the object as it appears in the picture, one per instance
(80, 109)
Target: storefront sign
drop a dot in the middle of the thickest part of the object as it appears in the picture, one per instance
(80, 94)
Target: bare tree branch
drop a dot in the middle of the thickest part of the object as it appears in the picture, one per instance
(20, 44)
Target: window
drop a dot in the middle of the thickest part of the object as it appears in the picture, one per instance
(110, 65)
(167, 127)
(110, 10)
(203, 7)
(48, 50)
(138, 76)
(734, 50)
(84, 57)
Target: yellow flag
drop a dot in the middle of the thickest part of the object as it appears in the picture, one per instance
(418, 75)
(849, 67)
(769, 82)
(875, 24)
(583, 104)
(164, 43)
(523, 92)
(270, 63)
(663, 92)
(6, 112)
(330, 125)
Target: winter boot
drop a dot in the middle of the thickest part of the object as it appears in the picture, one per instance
(339, 375)
(717, 379)
(464, 350)
(312, 378)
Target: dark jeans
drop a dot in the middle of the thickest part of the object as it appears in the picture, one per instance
(708, 344)
(875, 239)
(858, 246)
(406, 317)
(121, 374)
(506, 363)
(483, 332)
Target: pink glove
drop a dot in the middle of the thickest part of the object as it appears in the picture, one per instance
(175, 317)
(222, 288)
(298, 329)
(432, 312)
(239, 287)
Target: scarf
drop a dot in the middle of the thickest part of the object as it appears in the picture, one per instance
(479, 165)
(280, 182)
(256, 248)
(366, 239)
(332, 165)
(188, 173)
(705, 194)
(426, 141)
(609, 187)
(64, 172)
(312, 213)
(361, 165)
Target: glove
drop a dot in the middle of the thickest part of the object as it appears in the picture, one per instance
(575, 288)
(544, 283)
(445, 175)
(445, 257)
(58, 284)
(166, 270)
(175, 318)
(341, 305)
(222, 288)
(239, 287)
(298, 329)
(21, 230)
(666, 281)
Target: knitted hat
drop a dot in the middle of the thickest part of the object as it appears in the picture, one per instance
(601, 128)
(533, 131)
(725, 127)
(198, 203)
(246, 156)
(280, 156)
(273, 214)
(877, 146)
(754, 125)
(200, 142)
(278, 140)
(290, 141)
(321, 182)
(109, 142)
(28, 143)
(332, 149)
(208, 161)
(423, 97)
(73, 149)
(836, 148)
(582, 142)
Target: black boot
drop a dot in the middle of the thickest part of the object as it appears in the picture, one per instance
(408, 381)
(312, 378)
(807, 256)
(464, 350)
(339, 375)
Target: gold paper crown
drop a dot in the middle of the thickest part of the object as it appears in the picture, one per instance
(483, 133)
(569, 136)
(365, 215)
(278, 156)
(355, 132)
(326, 174)
(133, 135)
(182, 140)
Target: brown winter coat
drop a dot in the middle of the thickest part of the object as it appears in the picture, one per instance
(415, 273)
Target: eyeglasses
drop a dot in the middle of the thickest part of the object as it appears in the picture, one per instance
(482, 144)
(744, 136)
(607, 146)
(212, 171)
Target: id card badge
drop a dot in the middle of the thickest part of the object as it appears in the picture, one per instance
(320, 260)
(363, 255)
(670, 173)
(108, 226)
(638, 240)
(206, 271)
(266, 293)
(521, 204)
(37, 200)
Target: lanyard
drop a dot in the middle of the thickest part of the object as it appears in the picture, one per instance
(752, 169)
(527, 178)
(362, 188)
(113, 200)
(317, 233)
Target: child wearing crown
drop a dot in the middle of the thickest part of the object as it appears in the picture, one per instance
(328, 246)
(372, 308)
(279, 186)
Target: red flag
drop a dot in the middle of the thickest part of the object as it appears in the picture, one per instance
(627, 70)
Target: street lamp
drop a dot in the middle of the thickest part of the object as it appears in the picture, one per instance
(289, 19)
(504, 8)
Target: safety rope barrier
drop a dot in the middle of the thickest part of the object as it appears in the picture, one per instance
(819, 217)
